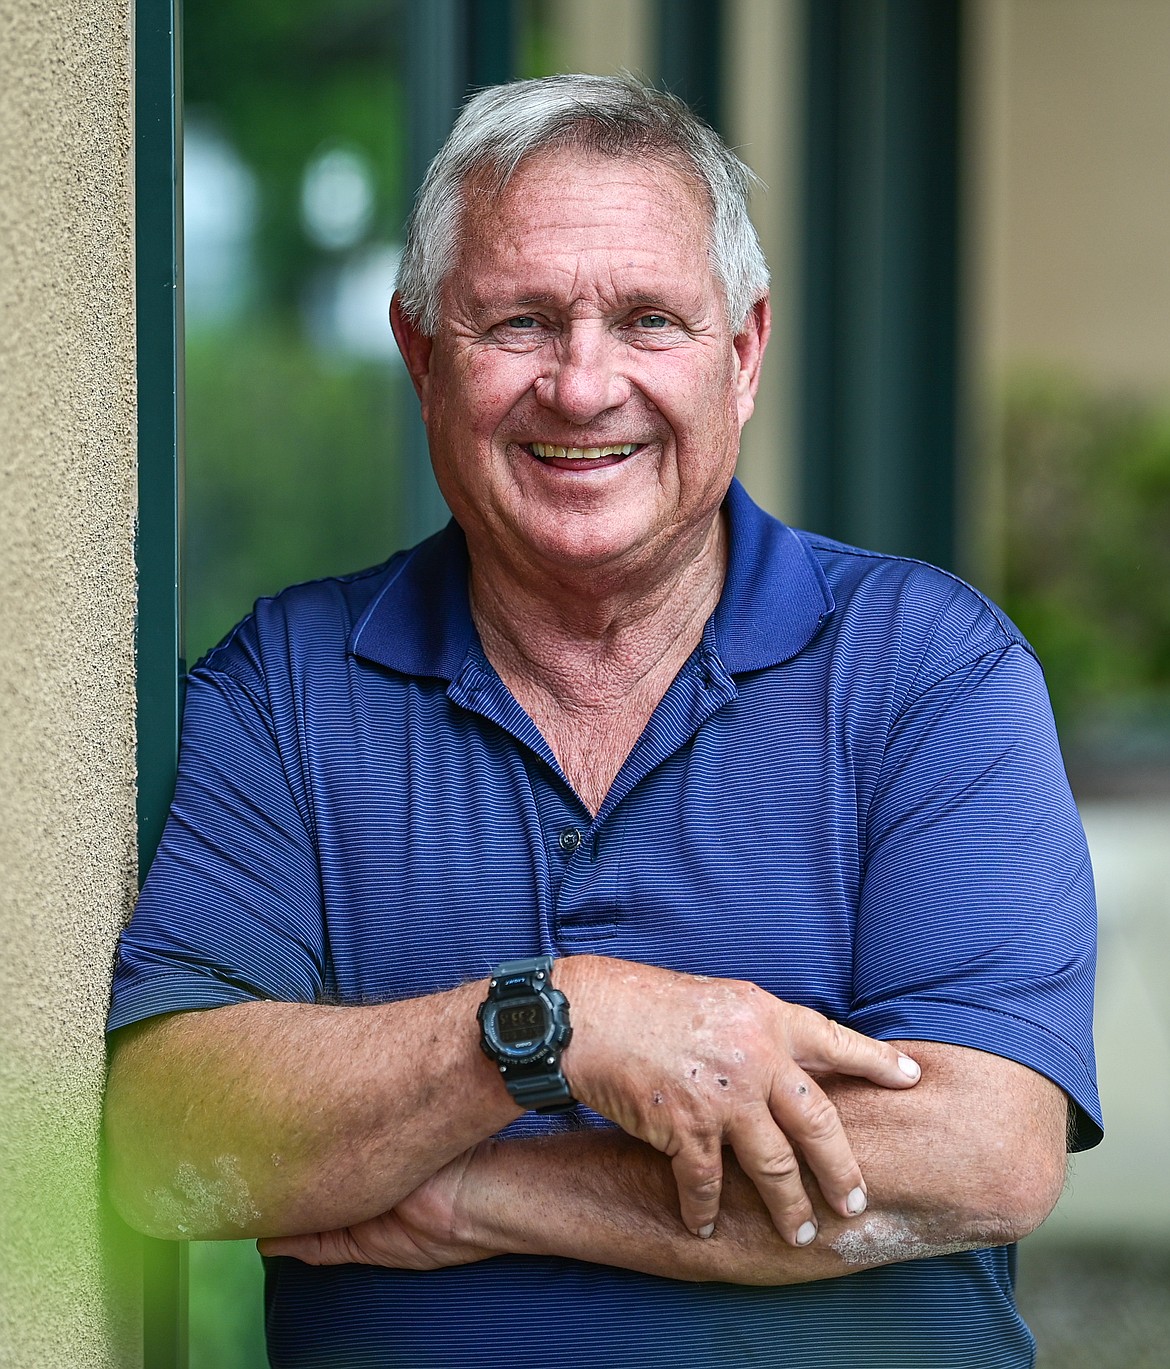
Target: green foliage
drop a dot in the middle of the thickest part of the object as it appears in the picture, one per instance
(283, 78)
(1088, 543)
(292, 470)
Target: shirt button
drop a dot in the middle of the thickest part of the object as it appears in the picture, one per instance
(569, 839)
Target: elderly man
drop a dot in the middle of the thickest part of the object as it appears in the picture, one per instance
(621, 927)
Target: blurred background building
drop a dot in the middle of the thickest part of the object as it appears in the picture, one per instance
(967, 216)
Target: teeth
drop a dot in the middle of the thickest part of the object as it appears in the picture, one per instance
(547, 452)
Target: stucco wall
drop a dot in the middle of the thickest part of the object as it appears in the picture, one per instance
(67, 500)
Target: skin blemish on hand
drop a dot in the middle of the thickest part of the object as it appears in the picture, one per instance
(657, 1098)
(723, 1081)
(802, 1089)
(198, 1202)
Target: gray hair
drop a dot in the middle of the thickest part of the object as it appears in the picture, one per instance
(612, 116)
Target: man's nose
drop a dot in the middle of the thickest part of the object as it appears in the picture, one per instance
(586, 377)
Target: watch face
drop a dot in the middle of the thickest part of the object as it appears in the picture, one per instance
(518, 1027)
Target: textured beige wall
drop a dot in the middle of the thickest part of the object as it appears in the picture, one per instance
(67, 501)
(1074, 209)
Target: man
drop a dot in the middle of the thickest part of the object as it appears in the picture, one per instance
(745, 785)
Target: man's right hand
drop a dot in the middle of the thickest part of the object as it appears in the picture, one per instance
(689, 1065)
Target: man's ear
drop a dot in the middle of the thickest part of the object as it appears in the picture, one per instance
(415, 347)
(750, 343)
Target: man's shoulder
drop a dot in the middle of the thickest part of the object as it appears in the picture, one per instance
(910, 606)
(310, 620)
(791, 591)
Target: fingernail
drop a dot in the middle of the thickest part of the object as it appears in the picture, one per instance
(856, 1202)
(807, 1234)
(706, 1232)
(908, 1067)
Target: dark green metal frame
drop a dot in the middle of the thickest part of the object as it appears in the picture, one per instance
(158, 642)
(879, 337)
(690, 47)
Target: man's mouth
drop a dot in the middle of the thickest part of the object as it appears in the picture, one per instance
(547, 451)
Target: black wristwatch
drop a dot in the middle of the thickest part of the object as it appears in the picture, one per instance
(524, 1027)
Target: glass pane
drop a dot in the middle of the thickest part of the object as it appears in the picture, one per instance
(294, 190)
(226, 1282)
(295, 193)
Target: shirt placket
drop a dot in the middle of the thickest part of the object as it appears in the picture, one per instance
(584, 854)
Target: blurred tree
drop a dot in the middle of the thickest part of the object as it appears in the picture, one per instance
(285, 78)
(1088, 548)
(291, 471)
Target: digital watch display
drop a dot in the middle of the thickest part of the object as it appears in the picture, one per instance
(524, 1027)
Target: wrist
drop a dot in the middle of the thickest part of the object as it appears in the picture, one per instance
(481, 1202)
(581, 978)
(463, 1214)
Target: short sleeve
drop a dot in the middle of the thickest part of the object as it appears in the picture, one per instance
(231, 909)
(976, 921)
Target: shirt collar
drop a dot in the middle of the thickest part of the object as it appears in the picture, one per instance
(775, 597)
(774, 600)
(420, 621)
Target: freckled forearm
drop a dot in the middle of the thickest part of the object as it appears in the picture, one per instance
(608, 1199)
(272, 1118)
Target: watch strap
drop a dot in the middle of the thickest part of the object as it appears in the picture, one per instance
(547, 1092)
(530, 968)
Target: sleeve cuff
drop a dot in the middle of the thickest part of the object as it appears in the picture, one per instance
(167, 993)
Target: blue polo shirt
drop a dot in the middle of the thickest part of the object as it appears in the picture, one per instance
(851, 794)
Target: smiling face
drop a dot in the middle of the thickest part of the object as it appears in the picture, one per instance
(584, 394)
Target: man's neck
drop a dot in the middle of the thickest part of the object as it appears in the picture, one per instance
(592, 639)
(590, 661)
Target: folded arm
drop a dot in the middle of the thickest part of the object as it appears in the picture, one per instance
(279, 1118)
(973, 1156)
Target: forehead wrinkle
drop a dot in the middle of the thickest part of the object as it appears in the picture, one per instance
(522, 251)
(596, 277)
(545, 171)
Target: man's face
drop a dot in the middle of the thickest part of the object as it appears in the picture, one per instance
(584, 394)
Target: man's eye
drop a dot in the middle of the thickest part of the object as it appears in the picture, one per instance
(522, 321)
(653, 321)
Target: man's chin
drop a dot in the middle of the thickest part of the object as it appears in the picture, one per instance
(588, 544)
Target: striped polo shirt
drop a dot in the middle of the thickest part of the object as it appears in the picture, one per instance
(851, 795)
